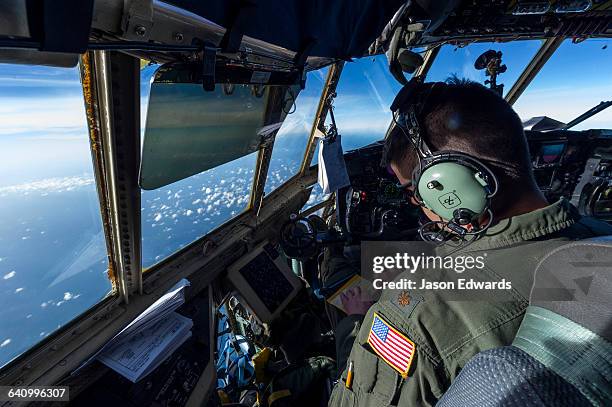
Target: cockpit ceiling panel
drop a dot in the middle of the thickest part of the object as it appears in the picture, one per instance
(323, 28)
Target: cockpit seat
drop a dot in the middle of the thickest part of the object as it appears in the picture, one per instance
(562, 353)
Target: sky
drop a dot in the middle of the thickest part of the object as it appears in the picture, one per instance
(52, 248)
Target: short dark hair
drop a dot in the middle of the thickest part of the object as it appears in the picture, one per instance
(465, 116)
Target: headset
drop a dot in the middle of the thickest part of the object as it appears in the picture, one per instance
(455, 186)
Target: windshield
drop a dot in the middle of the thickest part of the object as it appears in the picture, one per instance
(459, 61)
(365, 92)
(361, 108)
(53, 257)
(292, 138)
(573, 80)
(178, 214)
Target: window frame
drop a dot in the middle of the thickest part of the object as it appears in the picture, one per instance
(96, 313)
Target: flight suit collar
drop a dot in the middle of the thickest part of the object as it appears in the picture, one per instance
(529, 226)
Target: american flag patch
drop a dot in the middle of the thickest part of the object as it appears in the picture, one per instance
(393, 347)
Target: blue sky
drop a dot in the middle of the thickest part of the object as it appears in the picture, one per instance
(46, 103)
(576, 78)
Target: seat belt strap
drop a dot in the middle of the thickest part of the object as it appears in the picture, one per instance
(572, 351)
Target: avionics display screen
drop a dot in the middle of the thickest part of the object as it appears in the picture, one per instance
(551, 153)
(267, 281)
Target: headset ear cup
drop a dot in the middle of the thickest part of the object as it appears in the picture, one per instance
(424, 165)
(483, 174)
(448, 185)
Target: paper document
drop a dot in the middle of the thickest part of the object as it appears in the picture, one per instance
(139, 354)
(367, 292)
(166, 304)
(332, 174)
(157, 312)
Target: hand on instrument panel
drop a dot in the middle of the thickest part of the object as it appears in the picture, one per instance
(353, 302)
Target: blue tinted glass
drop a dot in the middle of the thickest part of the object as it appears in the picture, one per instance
(316, 196)
(53, 257)
(365, 92)
(575, 79)
(180, 213)
(291, 139)
(455, 61)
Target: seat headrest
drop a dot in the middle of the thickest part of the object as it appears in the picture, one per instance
(575, 281)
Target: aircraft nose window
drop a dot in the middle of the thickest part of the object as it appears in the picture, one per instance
(361, 108)
(53, 257)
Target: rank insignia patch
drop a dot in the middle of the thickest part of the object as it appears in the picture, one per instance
(392, 346)
(407, 302)
(403, 299)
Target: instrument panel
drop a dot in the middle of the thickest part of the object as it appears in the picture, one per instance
(375, 206)
(576, 165)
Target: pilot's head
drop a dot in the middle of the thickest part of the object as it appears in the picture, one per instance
(466, 117)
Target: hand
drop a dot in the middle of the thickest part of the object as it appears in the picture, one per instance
(353, 303)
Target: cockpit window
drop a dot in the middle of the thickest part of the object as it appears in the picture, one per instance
(316, 196)
(53, 256)
(459, 61)
(291, 139)
(573, 80)
(361, 107)
(180, 213)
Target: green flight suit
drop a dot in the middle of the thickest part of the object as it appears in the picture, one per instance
(447, 334)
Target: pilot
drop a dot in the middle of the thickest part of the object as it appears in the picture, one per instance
(433, 338)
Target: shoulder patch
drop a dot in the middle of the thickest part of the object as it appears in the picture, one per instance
(406, 302)
(391, 346)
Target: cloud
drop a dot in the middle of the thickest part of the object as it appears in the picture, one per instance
(382, 105)
(9, 275)
(18, 290)
(42, 115)
(38, 82)
(5, 342)
(47, 185)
